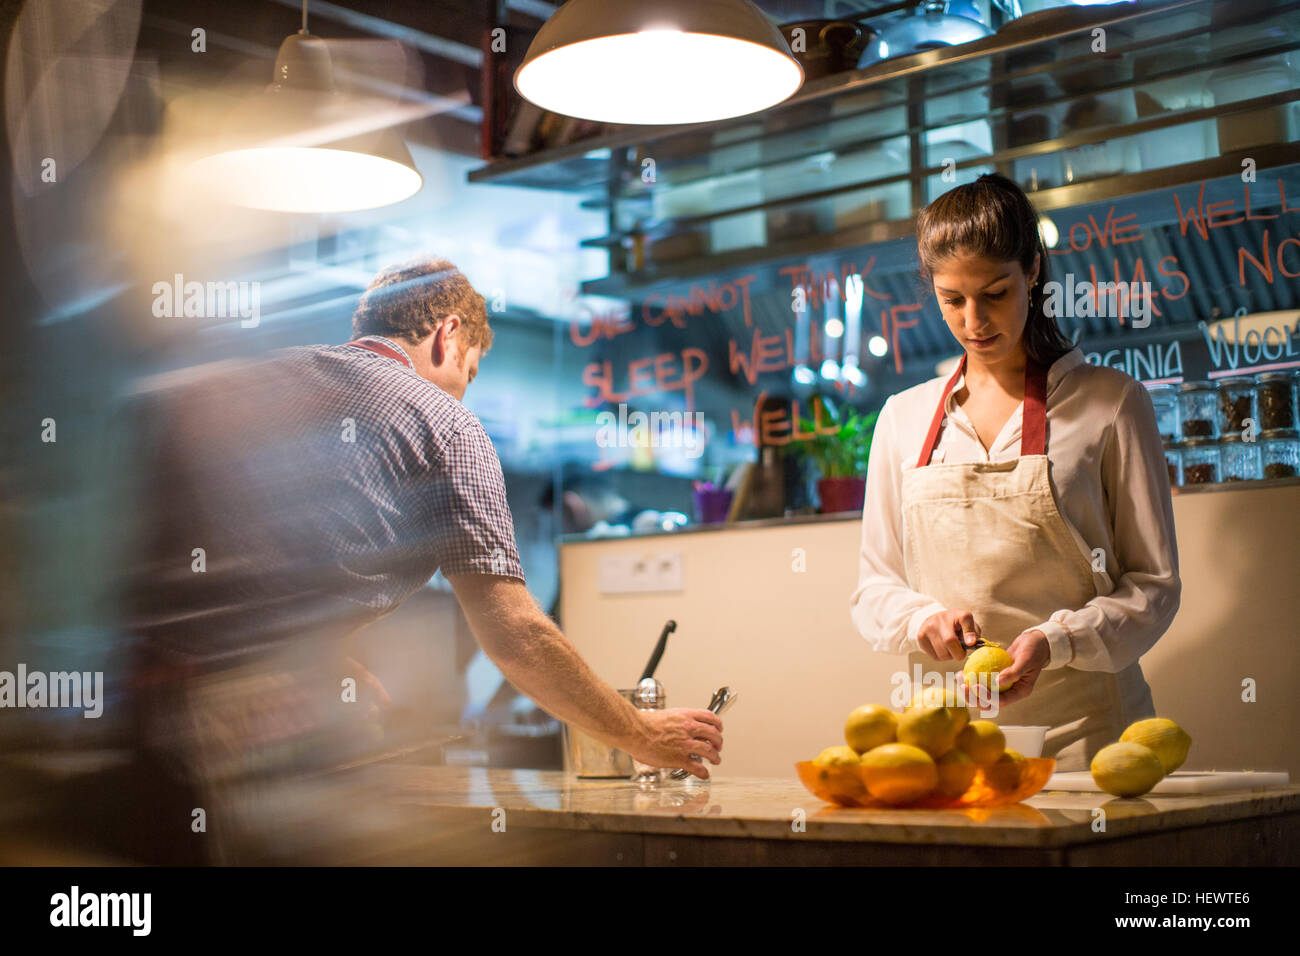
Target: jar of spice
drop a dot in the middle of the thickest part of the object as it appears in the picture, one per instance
(1174, 462)
(1276, 393)
(1198, 410)
(1165, 400)
(1200, 461)
(1280, 452)
(1239, 459)
(1236, 404)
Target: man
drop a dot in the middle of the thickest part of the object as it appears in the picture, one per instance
(301, 497)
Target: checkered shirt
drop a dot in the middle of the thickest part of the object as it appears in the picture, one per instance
(325, 484)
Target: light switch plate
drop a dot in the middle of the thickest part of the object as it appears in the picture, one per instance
(642, 573)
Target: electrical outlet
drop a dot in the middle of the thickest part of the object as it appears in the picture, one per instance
(642, 573)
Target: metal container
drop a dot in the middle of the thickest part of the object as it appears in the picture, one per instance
(649, 696)
(592, 759)
(823, 47)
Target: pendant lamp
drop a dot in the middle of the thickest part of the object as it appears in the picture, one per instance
(648, 62)
(302, 146)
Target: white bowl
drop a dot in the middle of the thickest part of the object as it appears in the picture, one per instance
(1026, 741)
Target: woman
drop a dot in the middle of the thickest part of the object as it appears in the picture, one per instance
(1025, 499)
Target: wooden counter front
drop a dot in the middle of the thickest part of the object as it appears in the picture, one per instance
(458, 815)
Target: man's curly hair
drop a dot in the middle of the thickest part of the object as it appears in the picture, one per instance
(410, 300)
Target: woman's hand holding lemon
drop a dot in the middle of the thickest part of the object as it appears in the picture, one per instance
(943, 634)
(1030, 653)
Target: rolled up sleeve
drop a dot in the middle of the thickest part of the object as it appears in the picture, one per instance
(474, 530)
(1112, 631)
(886, 612)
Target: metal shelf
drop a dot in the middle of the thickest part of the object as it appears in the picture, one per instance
(622, 284)
(849, 117)
(538, 170)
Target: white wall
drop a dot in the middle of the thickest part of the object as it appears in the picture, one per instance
(784, 640)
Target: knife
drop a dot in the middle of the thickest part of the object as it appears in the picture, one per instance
(979, 642)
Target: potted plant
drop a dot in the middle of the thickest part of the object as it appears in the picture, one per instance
(841, 458)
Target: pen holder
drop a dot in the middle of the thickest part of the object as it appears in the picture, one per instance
(712, 505)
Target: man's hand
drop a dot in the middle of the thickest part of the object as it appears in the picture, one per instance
(534, 656)
(943, 635)
(1030, 653)
(672, 736)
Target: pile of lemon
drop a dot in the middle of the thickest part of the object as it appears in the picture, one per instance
(1139, 760)
(931, 748)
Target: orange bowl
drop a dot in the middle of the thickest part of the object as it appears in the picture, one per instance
(844, 787)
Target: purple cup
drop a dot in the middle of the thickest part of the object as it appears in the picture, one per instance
(712, 504)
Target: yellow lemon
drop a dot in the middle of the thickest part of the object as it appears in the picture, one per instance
(982, 741)
(989, 659)
(956, 771)
(899, 773)
(837, 757)
(1126, 769)
(929, 697)
(930, 728)
(960, 717)
(941, 697)
(1004, 773)
(870, 726)
(1166, 739)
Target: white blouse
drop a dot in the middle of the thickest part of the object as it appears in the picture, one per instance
(1111, 483)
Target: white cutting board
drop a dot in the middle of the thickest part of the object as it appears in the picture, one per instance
(1181, 781)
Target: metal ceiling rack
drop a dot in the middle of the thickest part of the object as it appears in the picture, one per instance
(869, 141)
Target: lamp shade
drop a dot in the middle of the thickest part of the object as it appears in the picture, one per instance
(301, 146)
(657, 61)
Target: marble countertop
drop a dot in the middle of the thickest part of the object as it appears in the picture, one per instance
(767, 808)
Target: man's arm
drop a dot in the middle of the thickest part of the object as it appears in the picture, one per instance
(539, 660)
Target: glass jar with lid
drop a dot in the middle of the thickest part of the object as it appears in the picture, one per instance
(1237, 404)
(1280, 452)
(1239, 459)
(1198, 410)
(1165, 400)
(1276, 396)
(1200, 460)
(1174, 462)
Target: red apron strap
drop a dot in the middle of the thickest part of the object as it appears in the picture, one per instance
(1033, 423)
(384, 349)
(932, 436)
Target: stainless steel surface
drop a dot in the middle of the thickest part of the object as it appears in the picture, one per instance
(592, 759)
